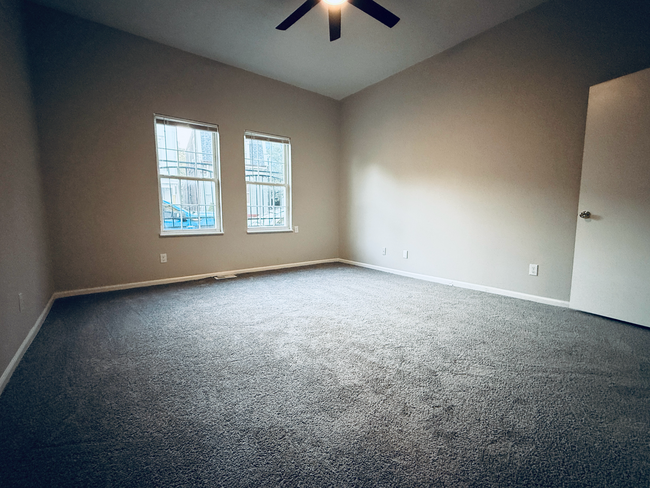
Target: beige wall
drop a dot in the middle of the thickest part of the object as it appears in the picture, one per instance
(96, 91)
(24, 260)
(471, 160)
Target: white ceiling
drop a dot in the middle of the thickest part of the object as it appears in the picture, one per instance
(242, 33)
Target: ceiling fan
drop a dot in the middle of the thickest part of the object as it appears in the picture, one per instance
(370, 7)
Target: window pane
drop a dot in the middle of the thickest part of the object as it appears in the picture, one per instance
(188, 204)
(167, 149)
(171, 217)
(205, 155)
(189, 191)
(206, 193)
(265, 161)
(267, 206)
(185, 151)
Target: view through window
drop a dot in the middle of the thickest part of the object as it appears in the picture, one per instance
(268, 178)
(188, 176)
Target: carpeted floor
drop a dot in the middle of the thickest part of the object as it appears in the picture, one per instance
(326, 376)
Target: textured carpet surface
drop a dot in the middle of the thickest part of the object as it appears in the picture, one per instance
(326, 376)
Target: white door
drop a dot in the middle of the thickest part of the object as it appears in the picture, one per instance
(611, 267)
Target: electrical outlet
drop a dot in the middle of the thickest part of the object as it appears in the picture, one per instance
(533, 269)
(296, 229)
(405, 254)
(21, 302)
(163, 258)
(383, 251)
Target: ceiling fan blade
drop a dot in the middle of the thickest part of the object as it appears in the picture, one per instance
(297, 14)
(335, 22)
(375, 10)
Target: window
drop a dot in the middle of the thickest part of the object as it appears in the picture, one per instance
(268, 182)
(188, 177)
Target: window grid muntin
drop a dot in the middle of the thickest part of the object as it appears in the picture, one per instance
(260, 215)
(186, 216)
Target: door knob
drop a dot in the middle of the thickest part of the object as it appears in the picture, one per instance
(585, 214)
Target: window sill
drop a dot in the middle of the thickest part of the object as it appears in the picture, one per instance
(190, 234)
(266, 230)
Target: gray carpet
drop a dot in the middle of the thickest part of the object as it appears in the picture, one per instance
(326, 376)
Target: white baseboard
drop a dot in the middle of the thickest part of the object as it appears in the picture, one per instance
(179, 279)
(462, 284)
(9, 370)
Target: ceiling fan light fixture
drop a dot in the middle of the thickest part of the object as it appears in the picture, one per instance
(370, 7)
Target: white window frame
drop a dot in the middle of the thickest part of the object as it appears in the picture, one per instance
(288, 227)
(216, 177)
